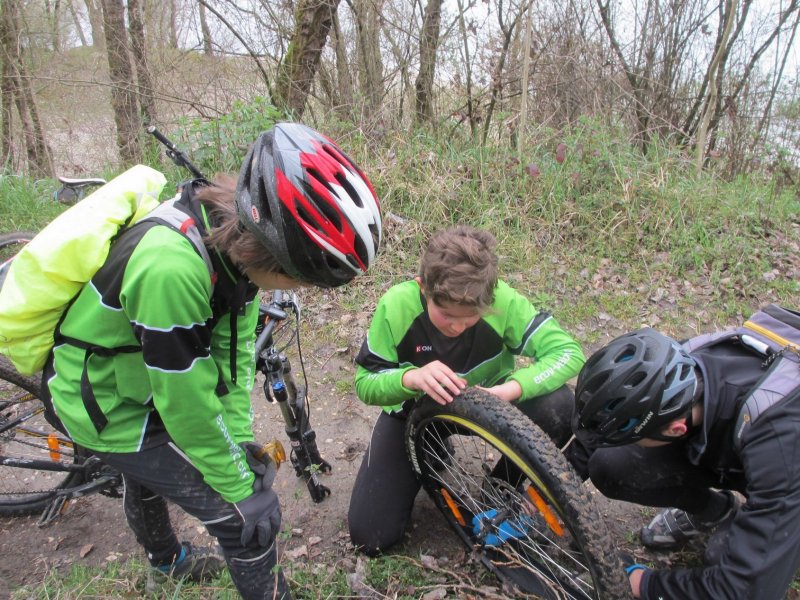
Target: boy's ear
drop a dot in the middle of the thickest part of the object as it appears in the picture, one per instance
(418, 279)
(676, 428)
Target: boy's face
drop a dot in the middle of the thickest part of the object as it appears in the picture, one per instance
(272, 281)
(452, 319)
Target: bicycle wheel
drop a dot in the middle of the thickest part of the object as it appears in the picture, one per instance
(10, 244)
(511, 496)
(26, 436)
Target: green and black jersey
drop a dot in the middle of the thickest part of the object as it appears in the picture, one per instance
(402, 337)
(178, 387)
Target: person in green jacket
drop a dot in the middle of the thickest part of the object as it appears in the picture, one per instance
(154, 361)
(455, 325)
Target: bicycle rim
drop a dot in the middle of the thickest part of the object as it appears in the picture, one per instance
(511, 497)
(26, 490)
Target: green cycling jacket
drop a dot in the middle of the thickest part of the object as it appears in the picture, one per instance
(402, 337)
(178, 387)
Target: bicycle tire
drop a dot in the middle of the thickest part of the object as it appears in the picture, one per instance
(512, 498)
(25, 491)
(10, 244)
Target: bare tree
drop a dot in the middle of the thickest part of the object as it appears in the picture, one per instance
(123, 96)
(370, 64)
(344, 79)
(313, 19)
(208, 44)
(146, 94)
(508, 26)
(715, 73)
(95, 11)
(77, 22)
(428, 43)
(17, 90)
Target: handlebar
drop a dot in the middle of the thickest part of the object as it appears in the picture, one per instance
(276, 311)
(177, 156)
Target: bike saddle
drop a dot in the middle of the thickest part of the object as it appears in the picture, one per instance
(80, 182)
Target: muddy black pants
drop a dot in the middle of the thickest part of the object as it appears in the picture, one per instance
(659, 476)
(386, 484)
(163, 473)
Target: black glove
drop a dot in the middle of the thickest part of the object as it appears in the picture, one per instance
(264, 468)
(261, 513)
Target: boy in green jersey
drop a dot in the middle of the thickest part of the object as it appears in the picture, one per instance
(455, 325)
(154, 360)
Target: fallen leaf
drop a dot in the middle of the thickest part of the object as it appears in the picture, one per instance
(85, 550)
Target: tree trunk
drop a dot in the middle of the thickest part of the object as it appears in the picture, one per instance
(77, 22)
(54, 14)
(296, 73)
(40, 162)
(368, 28)
(497, 76)
(173, 24)
(123, 98)
(208, 44)
(428, 44)
(713, 87)
(344, 79)
(526, 65)
(94, 9)
(146, 94)
(462, 25)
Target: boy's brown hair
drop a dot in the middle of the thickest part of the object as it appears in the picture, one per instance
(459, 266)
(228, 234)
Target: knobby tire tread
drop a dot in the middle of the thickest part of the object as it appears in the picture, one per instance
(517, 431)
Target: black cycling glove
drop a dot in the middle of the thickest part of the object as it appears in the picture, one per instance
(261, 514)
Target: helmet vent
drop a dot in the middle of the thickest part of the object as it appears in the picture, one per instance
(323, 205)
(348, 187)
(635, 379)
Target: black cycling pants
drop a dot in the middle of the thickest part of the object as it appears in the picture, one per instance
(386, 484)
(659, 476)
(164, 473)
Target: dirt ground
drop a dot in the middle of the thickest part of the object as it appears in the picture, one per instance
(93, 530)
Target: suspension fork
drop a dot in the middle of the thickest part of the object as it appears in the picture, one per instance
(279, 385)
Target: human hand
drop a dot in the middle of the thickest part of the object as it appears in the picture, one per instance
(510, 391)
(435, 379)
(261, 464)
(635, 573)
(261, 517)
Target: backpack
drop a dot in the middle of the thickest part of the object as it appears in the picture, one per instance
(774, 333)
(49, 272)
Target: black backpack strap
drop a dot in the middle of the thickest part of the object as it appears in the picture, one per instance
(90, 403)
(782, 380)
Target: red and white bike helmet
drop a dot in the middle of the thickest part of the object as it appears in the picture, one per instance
(310, 205)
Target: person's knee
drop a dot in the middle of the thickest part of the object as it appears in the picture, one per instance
(607, 476)
(552, 413)
(372, 536)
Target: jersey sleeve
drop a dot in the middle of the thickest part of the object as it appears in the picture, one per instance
(168, 304)
(379, 374)
(557, 357)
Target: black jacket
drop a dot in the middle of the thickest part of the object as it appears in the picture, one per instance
(763, 552)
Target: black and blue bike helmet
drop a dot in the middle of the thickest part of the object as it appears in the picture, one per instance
(631, 388)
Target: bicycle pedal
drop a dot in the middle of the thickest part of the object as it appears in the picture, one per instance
(53, 510)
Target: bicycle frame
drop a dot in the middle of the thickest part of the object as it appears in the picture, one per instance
(280, 387)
